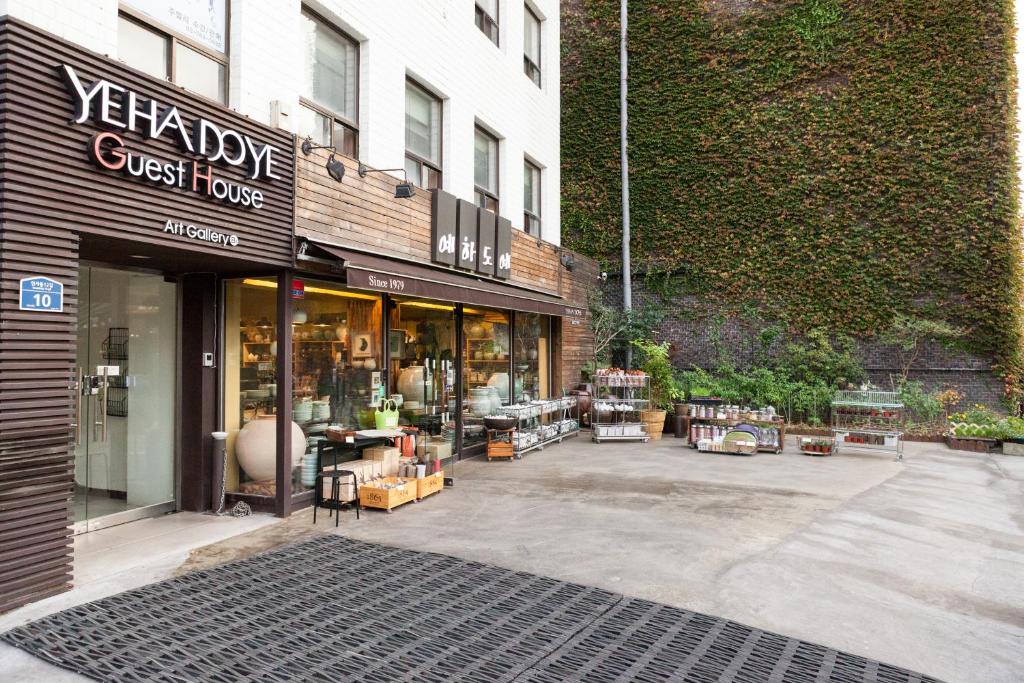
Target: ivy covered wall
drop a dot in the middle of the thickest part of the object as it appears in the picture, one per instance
(825, 162)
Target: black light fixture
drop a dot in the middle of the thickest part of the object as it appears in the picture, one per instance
(403, 190)
(568, 261)
(335, 168)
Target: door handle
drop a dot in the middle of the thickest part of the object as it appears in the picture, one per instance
(79, 418)
(101, 401)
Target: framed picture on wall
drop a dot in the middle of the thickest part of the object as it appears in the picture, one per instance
(362, 345)
(396, 344)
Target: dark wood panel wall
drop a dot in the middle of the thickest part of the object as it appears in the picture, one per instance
(56, 205)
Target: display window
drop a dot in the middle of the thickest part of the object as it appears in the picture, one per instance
(336, 370)
(531, 354)
(487, 366)
(422, 370)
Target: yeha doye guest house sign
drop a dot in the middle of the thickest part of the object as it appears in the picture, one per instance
(119, 110)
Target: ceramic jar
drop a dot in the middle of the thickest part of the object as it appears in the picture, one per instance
(412, 383)
(256, 447)
(480, 401)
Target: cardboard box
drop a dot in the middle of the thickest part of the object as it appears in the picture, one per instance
(365, 470)
(386, 455)
(439, 449)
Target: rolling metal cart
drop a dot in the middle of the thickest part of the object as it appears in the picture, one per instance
(616, 409)
(869, 420)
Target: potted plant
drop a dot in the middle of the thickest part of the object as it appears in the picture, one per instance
(664, 389)
(1011, 431)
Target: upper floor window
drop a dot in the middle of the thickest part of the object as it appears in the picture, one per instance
(487, 18)
(485, 169)
(330, 73)
(422, 137)
(531, 199)
(531, 46)
(172, 45)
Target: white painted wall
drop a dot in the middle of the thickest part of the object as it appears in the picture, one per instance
(434, 41)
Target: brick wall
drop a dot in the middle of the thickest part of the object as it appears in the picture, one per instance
(701, 334)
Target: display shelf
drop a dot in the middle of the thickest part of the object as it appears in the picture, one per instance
(539, 418)
(766, 441)
(877, 415)
(620, 425)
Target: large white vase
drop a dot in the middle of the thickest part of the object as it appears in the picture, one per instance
(256, 447)
(412, 385)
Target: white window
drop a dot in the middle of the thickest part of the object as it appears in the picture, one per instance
(531, 46)
(193, 58)
(531, 199)
(330, 76)
(487, 18)
(422, 137)
(485, 169)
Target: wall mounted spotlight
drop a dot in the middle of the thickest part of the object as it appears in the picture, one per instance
(335, 168)
(567, 261)
(403, 190)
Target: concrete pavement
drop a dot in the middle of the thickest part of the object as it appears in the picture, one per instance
(917, 564)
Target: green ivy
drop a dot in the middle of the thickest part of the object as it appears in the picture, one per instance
(829, 162)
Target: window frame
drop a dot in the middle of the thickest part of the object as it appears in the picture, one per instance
(537, 214)
(528, 63)
(416, 158)
(337, 118)
(482, 193)
(145, 21)
(487, 24)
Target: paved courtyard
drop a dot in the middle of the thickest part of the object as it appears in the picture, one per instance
(914, 564)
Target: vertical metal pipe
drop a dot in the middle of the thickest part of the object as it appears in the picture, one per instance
(283, 499)
(627, 280)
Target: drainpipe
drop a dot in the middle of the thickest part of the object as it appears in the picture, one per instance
(627, 280)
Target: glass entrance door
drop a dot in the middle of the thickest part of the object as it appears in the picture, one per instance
(125, 426)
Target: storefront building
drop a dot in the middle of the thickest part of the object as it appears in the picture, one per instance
(170, 269)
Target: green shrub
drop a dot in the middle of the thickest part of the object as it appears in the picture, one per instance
(655, 362)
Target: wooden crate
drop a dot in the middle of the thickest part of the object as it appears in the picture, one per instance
(430, 484)
(388, 499)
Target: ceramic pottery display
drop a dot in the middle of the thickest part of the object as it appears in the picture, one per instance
(412, 384)
(256, 448)
(480, 401)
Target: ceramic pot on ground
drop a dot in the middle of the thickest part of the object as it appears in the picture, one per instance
(255, 447)
(480, 401)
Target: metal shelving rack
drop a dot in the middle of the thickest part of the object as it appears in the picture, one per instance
(607, 421)
(868, 419)
(538, 416)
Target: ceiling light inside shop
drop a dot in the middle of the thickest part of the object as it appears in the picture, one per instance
(271, 284)
(424, 304)
(139, 256)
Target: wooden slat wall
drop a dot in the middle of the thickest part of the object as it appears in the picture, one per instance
(50, 192)
(46, 161)
(362, 213)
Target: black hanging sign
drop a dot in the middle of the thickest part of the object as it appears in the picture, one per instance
(503, 249)
(485, 245)
(442, 228)
(467, 234)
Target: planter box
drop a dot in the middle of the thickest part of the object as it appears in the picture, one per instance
(1013, 448)
(386, 499)
(430, 484)
(972, 444)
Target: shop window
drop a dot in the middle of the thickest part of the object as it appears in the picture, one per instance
(422, 137)
(487, 370)
(531, 353)
(421, 367)
(167, 44)
(531, 45)
(487, 18)
(485, 169)
(531, 199)
(328, 106)
(336, 369)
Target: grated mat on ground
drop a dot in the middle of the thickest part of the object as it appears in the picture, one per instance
(336, 609)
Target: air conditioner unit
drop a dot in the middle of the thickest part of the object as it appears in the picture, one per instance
(280, 115)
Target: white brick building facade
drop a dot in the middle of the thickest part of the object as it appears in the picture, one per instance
(434, 42)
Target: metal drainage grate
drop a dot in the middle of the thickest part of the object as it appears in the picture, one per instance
(336, 609)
